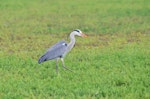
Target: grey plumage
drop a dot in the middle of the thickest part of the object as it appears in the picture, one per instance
(56, 51)
(60, 49)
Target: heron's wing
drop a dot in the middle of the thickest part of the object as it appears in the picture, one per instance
(56, 51)
(57, 45)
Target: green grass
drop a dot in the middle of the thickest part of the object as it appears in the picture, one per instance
(112, 63)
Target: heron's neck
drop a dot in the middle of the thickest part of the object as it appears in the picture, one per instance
(72, 41)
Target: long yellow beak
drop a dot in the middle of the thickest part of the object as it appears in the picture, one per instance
(84, 35)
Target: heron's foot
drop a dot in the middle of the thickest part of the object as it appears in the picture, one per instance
(68, 69)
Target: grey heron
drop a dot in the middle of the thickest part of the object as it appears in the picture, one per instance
(60, 49)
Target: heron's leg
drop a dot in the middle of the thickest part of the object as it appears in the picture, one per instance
(57, 65)
(63, 63)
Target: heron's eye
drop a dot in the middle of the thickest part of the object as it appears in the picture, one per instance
(77, 31)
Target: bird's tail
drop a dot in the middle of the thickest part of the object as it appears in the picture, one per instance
(42, 59)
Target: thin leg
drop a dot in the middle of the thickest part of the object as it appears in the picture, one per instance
(57, 65)
(63, 63)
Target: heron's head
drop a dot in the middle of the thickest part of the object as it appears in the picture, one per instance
(79, 33)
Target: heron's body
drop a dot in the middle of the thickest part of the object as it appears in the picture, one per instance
(56, 51)
(60, 49)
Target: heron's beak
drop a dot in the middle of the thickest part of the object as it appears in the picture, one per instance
(84, 35)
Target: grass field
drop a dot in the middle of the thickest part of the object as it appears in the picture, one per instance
(112, 63)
